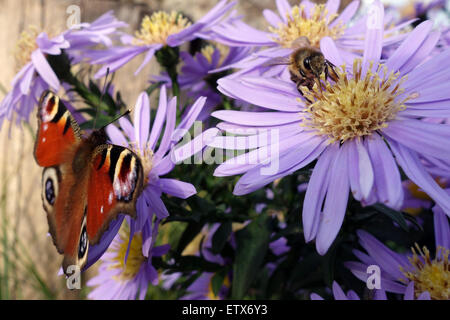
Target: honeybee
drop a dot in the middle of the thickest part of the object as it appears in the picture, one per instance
(306, 64)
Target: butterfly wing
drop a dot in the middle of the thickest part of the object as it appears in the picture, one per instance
(115, 183)
(57, 139)
(58, 133)
(57, 143)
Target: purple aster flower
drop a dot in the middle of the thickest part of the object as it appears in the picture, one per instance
(338, 294)
(412, 9)
(156, 160)
(356, 129)
(199, 73)
(85, 35)
(202, 245)
(126, 268)
(380, 294)
(422, 8)
(314, 21)
(398, 270)
(415, 199)
(445, 38)
(201, 289)
(278, 247)
(159, 30)
(36, 74)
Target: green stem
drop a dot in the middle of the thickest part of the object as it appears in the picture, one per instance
(174, 78)
(62, 67)
(168, 58)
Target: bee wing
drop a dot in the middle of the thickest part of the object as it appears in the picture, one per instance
(277, 61)
(300, 42)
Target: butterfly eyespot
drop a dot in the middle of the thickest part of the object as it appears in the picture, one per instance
(50, 107)
(50, 191)
(82, 246)
(50, 183)
(125, 176)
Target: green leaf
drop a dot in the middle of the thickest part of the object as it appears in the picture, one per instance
(413, 221)
(154, 86)
(397, 216)
(194, 263)
(90, 111)
(306, 272)
(252, 243)
(94, 88)
(220, 237)
(101, 121)
(217, 281)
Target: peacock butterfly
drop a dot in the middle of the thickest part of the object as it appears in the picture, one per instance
(86, 182)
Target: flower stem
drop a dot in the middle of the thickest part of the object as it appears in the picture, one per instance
(92, 95)
(168, 58)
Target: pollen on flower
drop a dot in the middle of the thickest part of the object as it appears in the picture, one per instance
(156, 28)
(355, 106)
(135, 258)
(416, 192)
(25, 46)
(314, 27)
(209, 50)
(429, 275)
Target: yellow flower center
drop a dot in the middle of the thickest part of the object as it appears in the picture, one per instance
(430, 275)
(416, 192)
(135, 257)
(25, 46)
(354, 107)
(160, 25)
(194, 246)
(208, 52)
(314, 28)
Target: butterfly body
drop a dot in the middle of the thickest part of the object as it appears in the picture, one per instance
(86, 182)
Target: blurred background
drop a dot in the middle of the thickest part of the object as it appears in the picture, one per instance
(29, 262)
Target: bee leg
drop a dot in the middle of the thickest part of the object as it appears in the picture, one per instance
(294, 78)
(301, 92)
(333, 75)
(319, 83)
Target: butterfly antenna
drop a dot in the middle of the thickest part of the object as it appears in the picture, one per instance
(116, 118)
(101, 97)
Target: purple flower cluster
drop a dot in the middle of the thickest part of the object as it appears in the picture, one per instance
(358, 149)
(377, 132)
(36, 75)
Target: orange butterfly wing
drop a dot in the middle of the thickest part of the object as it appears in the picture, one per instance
(57, 133)
(115, 183)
